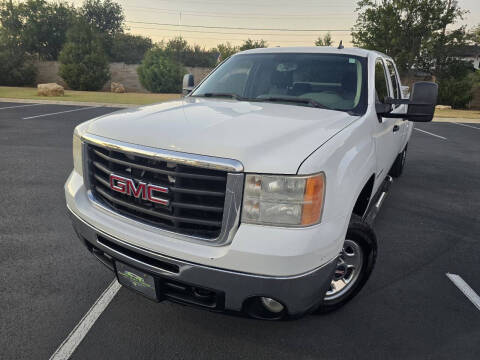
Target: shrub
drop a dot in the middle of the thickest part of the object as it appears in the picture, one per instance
(84, 64)
(16, 68)
(181, 52)
(159, 73)
(456, 83)
(226, 50)
(253, 44)
(129, 49)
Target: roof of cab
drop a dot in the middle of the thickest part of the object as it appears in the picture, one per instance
(313, 50)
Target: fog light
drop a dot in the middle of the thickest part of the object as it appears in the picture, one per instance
(272, 305)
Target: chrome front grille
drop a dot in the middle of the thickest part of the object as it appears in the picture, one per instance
(203, 201)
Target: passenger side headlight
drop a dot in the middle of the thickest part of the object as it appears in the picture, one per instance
(77, 154)
(283, 200)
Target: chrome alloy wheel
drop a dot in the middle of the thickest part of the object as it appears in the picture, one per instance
(349, 267)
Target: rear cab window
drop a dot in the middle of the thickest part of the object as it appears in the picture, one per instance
(392, 72)
(382, 88)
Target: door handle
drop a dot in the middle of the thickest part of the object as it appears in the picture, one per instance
(396, 128)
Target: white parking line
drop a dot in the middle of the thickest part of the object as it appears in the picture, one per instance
(469, 126)
(68, 346)
(429, 133)
(465, 289)
(61, 112)
(18, 106)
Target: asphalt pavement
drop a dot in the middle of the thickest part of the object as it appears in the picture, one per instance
(429, 225)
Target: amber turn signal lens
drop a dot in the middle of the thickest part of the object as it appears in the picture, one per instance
(313, 200)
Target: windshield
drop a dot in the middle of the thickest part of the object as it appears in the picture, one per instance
(322, 80)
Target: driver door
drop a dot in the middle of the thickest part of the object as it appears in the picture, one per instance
(387, 133)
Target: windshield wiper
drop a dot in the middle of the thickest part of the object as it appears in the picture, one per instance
(306, 101)
(227, 95)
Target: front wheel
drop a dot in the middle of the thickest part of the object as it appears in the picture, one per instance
(354, 265)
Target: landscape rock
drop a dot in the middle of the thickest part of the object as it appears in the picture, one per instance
(443, 107)
(50, 89)
(117, 88)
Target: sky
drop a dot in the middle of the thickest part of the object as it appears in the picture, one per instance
(204, 22)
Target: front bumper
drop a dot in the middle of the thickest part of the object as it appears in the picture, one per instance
(234, 291)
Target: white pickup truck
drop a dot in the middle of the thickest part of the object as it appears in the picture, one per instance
(256, 191)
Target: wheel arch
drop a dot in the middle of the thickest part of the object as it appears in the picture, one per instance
(363, 199)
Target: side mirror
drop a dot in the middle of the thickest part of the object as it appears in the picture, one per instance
(383, 109)
(422, 101)
(421, 105)
(188, 84)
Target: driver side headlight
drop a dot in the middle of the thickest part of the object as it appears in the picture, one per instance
(283, 200)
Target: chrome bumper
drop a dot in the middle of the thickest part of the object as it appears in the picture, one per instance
(299, 294)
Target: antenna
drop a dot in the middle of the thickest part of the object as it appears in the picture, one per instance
(340, 46)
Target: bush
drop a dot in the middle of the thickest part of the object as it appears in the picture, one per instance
(84, 64)
(159, 73)
(129, 49)
(181, 52)
(456, 84)
(16, 68)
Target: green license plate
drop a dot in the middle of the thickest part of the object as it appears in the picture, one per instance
(137, 280)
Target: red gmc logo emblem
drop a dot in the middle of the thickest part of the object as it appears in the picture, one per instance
(141, 191)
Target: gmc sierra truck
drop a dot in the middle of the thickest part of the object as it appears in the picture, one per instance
(255, 193)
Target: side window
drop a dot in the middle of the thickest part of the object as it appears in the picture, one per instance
(381, 83)
(394, 80)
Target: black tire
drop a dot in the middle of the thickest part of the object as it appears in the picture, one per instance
(397, 168)
(362, 234)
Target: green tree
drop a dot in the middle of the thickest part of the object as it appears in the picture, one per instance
(325, 41)
(455, 84)
(129, 49)
(40, 26)
(181, 52)
(16, 65)
(419, 35)
(45, 27)
(107, 18)
(413, 32)
(199, 56)
(84, 63)
(160, 73)
(253, 44)
(474, 35)
(226, 50)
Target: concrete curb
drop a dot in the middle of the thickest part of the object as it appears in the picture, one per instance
(61, 102)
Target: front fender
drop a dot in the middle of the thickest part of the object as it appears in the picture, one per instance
(348, 160)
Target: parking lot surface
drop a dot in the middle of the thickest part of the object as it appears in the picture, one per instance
(428, 226)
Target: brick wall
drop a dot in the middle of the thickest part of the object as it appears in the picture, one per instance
(122, 73)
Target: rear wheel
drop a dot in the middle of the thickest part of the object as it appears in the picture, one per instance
(354, 265)
(397, 167)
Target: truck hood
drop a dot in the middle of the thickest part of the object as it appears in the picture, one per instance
(265, 137)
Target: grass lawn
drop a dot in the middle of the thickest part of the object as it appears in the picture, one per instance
(87, 96)
(465, 114)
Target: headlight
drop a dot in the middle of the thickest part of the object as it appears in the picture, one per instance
(283, 200)
(77, 154)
